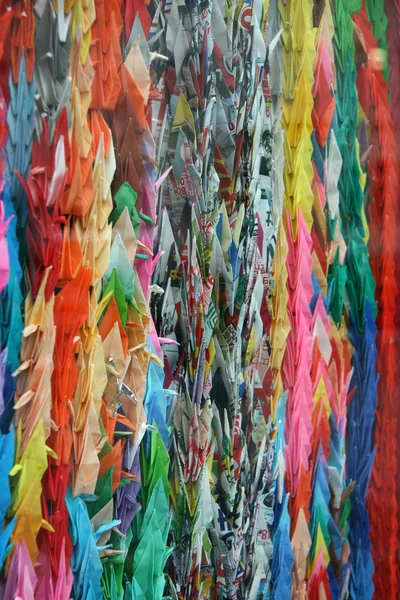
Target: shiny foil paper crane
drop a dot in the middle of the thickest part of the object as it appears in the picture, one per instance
(199, 206)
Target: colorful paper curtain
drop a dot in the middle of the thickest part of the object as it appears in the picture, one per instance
(199, 300)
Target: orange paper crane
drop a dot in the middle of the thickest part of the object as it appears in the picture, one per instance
(71, 308)
(105, 54)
